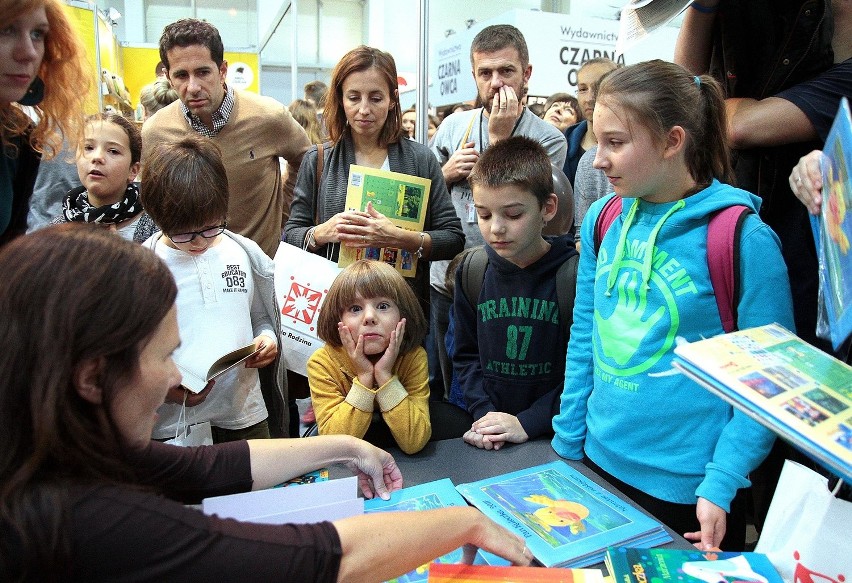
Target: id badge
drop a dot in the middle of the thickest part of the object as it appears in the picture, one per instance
(471, 212)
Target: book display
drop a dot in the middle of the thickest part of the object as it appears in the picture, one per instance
(778, 379)
(565, 518)
(402, 198)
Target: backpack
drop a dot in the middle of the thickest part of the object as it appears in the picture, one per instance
(723, 253)
(473, 274)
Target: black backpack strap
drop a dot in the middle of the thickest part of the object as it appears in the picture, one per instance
(473, 273)
(566, 289)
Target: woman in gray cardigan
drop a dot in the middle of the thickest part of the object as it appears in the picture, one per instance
(364, 121)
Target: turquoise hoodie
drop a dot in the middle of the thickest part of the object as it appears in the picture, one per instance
(649, 287)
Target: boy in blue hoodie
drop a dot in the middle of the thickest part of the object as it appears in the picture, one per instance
(509, 355)
(670, 445)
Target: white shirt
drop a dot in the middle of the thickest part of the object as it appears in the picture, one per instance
(217, 312)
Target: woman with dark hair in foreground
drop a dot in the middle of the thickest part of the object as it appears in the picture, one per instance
(87, 326)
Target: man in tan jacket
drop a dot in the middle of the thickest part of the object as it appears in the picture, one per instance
(252, 131)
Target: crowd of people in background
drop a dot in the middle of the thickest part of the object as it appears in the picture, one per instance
(156, 246)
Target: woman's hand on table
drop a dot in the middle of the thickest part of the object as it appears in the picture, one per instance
(378, 474)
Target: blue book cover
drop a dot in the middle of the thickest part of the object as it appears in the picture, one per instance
(566, 519)
(637, 565)
(834, 228)
(428, 496)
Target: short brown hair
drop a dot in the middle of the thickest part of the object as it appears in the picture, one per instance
(372, 279)
(517, 161)
(497, 37)
(184, 184)
(191, 31)
(357, 60)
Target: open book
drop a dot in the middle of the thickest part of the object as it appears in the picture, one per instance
(196, 383)
(782, 382)
(639, 18)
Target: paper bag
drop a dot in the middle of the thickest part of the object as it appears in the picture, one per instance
(302, 280)
(808, 532)
(189, 434)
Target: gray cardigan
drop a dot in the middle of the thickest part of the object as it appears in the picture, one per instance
(405, 156)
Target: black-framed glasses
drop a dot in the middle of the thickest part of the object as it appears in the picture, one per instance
(207, 233)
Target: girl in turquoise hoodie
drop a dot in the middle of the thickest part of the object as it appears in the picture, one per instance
(679, 451)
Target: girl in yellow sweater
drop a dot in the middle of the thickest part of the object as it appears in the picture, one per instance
(370, 380)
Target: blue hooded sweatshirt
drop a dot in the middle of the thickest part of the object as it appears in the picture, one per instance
(649, 287)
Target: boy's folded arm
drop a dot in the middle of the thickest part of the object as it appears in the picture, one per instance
(537, 420)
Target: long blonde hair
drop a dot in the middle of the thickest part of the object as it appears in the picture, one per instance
(65, 77)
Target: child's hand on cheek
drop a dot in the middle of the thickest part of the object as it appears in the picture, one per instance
(355, 349)
(384, 367)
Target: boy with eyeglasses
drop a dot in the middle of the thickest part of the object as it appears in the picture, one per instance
(226, 293)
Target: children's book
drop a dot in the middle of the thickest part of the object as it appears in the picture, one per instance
(566, 519)
(195, 380)
(636, 565)
(437, 494)
(784, 383)
(309, 503)
(402, 198)
(446, 573)
(833, 229)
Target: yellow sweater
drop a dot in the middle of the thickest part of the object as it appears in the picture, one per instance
(259, 131)
(403, 400)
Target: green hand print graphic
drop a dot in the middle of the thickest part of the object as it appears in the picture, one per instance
(626, 328)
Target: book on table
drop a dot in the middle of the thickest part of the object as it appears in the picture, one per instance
(638, 565)
(566, 519)
(402, 198)
(833, 231)
(449, 573)
(309, 503)
(437, 494)
(195, 380)
(784, 383)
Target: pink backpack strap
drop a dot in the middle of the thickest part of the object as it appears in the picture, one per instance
(723, 260)
(610, 211)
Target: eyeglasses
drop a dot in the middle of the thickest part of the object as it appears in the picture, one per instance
(207, 233)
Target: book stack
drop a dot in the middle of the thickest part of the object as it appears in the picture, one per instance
(636, 565)
(566, 519)
(437, 494)
(782, 382)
